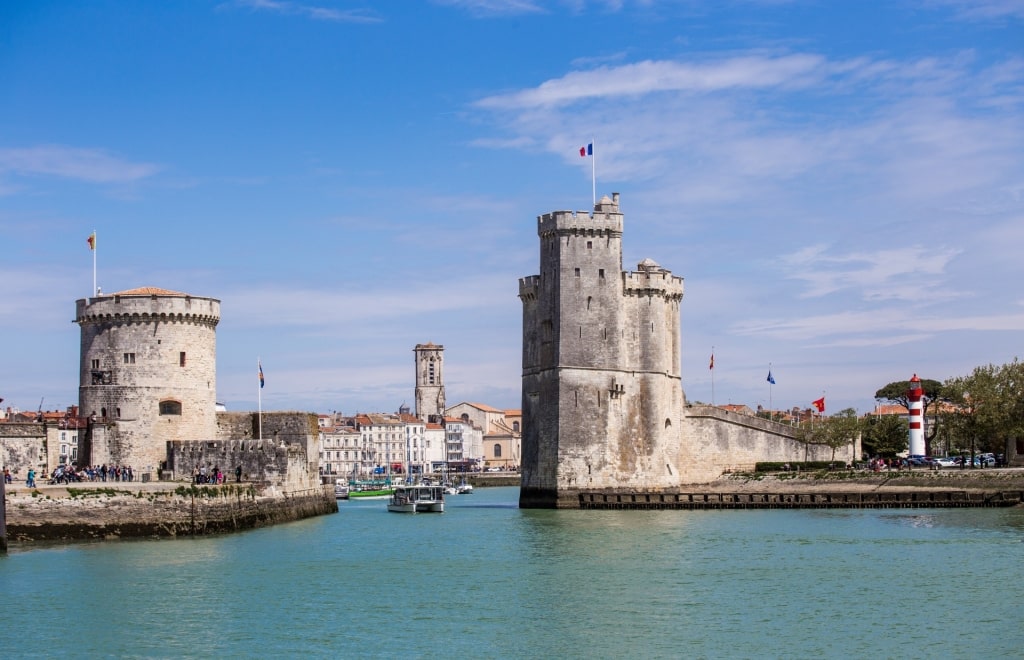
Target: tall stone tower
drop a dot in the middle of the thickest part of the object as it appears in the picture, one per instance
(147, 375)
(602, 391)
(429, 380)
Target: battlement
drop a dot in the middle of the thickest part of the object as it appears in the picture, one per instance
(147, 308)
(658, 282)
(605, 219)
(528, 287)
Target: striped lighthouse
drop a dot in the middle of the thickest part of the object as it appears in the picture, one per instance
(916, 406)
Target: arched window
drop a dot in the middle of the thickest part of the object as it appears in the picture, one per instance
(465, 417)
(497, 450)
(515, 426)
(668, 422)
(170, 407)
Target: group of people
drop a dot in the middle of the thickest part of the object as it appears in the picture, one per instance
(201, 475)
(30, 478)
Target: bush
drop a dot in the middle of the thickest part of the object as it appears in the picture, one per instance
(778, 466)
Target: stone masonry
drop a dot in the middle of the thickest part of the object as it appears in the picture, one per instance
(147, 374)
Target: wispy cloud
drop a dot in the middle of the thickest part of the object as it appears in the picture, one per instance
(314, 12)
(483, 8)
(886, 274)
(92, 165)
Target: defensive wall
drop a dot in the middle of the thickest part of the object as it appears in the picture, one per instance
(24, 446)
(116, 512)
(718, 441)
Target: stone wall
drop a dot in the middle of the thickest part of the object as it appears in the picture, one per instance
(716, 441)
(23, 446)
(193, 511)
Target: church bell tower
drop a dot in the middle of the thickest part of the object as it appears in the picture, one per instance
(429, 381)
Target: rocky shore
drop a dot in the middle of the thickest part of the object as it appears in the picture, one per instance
(133, 510)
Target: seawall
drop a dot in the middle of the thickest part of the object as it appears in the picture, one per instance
(120, 511)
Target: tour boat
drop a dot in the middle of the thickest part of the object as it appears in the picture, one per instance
(341, 489)
(417, 499)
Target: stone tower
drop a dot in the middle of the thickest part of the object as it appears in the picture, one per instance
(602, 392)
(429, 381)
(147, 374)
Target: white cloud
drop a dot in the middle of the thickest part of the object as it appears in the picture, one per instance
(91, 165)
(309, 11)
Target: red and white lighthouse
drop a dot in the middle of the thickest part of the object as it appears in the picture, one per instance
(916, 407)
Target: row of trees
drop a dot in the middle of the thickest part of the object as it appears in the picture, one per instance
(980, 412)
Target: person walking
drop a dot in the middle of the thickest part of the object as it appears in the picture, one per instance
(238, 474)
(31, 480)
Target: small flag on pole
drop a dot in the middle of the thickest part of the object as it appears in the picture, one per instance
(261, 373)
(712, 364)
(771, 379)
(588, 150)
(819, 404)
(92, 241)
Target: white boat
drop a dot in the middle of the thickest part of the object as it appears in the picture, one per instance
(465, 488)
(417, 499)
(450, 490)
(341, 489)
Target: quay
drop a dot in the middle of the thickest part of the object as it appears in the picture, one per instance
(113, 510)
(818, 500)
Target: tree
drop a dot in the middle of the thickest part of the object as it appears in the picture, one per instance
(887, 435)
(987, 407)
(931, 391)
(836, 431)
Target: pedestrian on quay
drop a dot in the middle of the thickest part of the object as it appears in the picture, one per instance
(238, 474)
(30, 481)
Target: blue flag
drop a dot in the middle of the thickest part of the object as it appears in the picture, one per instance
(770, 378)
(261, 374)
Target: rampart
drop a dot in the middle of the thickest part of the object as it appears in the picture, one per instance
(720, 441)
(189, 511)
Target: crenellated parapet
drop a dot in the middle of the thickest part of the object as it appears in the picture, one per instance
(148, 305)
(528, 287)
(605, 220)
(652, 280)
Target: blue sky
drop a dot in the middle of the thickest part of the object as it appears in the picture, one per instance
(841, 184)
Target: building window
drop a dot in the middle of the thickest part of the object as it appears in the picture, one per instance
(95, 364)
(576, 271)
(170, 407)
(497, 450)
(181, 359)
(600, 273)
(129, 358)
(590, 244)
(430, 373)
(515, 426)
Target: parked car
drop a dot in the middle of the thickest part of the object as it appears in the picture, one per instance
(948, 462)
(985, 460)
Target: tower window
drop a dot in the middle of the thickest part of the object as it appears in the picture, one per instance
(600, 273)
(590, 244)
(170, 407)
(430, 373)
(129, 358)
(95, 364)
(576, 271)
(181, 359)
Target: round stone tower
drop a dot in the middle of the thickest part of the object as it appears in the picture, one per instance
(147, 374)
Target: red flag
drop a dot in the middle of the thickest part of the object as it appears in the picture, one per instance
(92, 241)
(712, 365)
(819, 404)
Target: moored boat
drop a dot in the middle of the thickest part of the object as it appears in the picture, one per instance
(340, 489)
(417, 499)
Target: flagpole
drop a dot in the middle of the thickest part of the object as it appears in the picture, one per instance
(593, 171)
(93, 262)
(771, 415)
(259, 396)
(712, 376)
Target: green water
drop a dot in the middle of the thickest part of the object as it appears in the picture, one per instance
(488, 580)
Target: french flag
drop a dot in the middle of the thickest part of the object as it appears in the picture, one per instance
(587, 150)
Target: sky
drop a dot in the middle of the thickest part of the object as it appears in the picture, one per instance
(840, 184)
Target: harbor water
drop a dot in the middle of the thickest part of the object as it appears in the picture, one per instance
(488, 580)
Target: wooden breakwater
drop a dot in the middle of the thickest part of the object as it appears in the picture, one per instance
(930, 499)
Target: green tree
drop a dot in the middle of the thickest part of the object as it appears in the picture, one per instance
(836, 431)
(986, 409)
(887, 435)
(931, 391)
